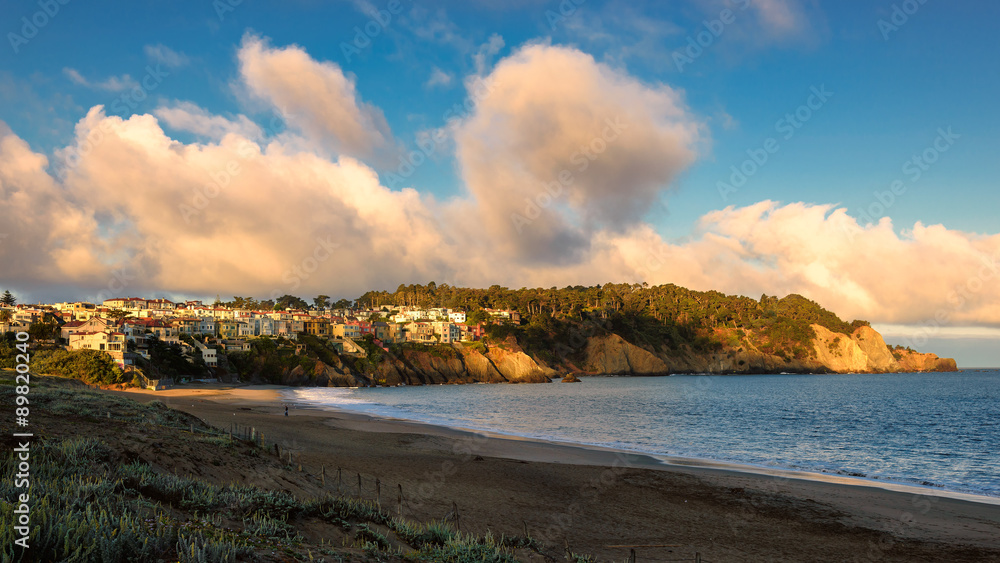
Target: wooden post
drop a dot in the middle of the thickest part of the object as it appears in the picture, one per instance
(338, 480)
(458, 524)
(277, 451)
(322, 475)
(526, 536)
(697, 557)
(289, 458)
(569, 553)
(378, 492)
(399, 501)
(192, 428)
(631, 556)
(359, 485)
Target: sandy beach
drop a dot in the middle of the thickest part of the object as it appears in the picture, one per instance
(598, 501)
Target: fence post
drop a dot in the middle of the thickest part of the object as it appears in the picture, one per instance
(378, 492)
(399, 501)
(322, 475)
(338, 481)
(359, 485)
(631, 556)
(697, 557)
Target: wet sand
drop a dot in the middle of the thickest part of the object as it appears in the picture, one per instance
(598, 501)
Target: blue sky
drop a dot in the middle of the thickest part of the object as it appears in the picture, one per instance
(893, 91)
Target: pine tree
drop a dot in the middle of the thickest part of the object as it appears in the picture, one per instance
(8, 298)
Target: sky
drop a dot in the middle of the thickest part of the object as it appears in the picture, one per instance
(845, 151)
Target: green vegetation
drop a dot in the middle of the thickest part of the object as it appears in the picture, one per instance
(93, 502)
(665, 317)
(91, 366)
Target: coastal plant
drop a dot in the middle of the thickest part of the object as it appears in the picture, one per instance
(368, 536)
(461, 548)
(263, 524)
(197, 549)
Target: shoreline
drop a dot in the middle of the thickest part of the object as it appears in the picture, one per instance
(594, 497)
(548, 450)
(654, 460)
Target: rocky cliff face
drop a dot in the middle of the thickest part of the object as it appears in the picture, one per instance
(458, 364)
(863, 351)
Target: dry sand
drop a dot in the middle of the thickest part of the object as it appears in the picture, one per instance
(596, 501)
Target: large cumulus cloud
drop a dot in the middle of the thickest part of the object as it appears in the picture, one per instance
(127, 208)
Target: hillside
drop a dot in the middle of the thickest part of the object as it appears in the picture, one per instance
(612, 329)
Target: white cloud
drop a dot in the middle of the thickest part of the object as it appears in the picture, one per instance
(111, 84)
(186, 116)
(239, 214)
(314, 97)
(554, 112)
(439, 78)
(166, 56)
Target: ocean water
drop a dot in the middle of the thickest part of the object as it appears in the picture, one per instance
(935, 430)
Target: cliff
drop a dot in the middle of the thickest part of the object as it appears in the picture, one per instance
(506, 363)
(731, 351)
(863, 351)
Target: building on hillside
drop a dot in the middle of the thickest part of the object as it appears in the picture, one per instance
(207, 326)
(317, 327)
(420, 332)
(114, 343)
(456, 316)
(447, 332)
(187, 325)
(209, 355)
(161, 304)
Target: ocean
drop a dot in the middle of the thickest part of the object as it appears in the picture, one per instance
(939, 430)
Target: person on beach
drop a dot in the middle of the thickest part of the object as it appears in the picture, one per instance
(286, 410)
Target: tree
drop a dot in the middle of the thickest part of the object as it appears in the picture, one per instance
(5, 316)
(8, 298)
(322, 301)
(42, 331)
(342, 304)
(290, 302)
(117, 314)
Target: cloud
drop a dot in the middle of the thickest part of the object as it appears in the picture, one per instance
(554, 112)
(439, 78)
(186, 116)
(486, 52)
(314, 97)
(112, 84)
(166, 56)
(243, 213)
(822, 252)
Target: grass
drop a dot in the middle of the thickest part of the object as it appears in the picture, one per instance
(89, 503)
